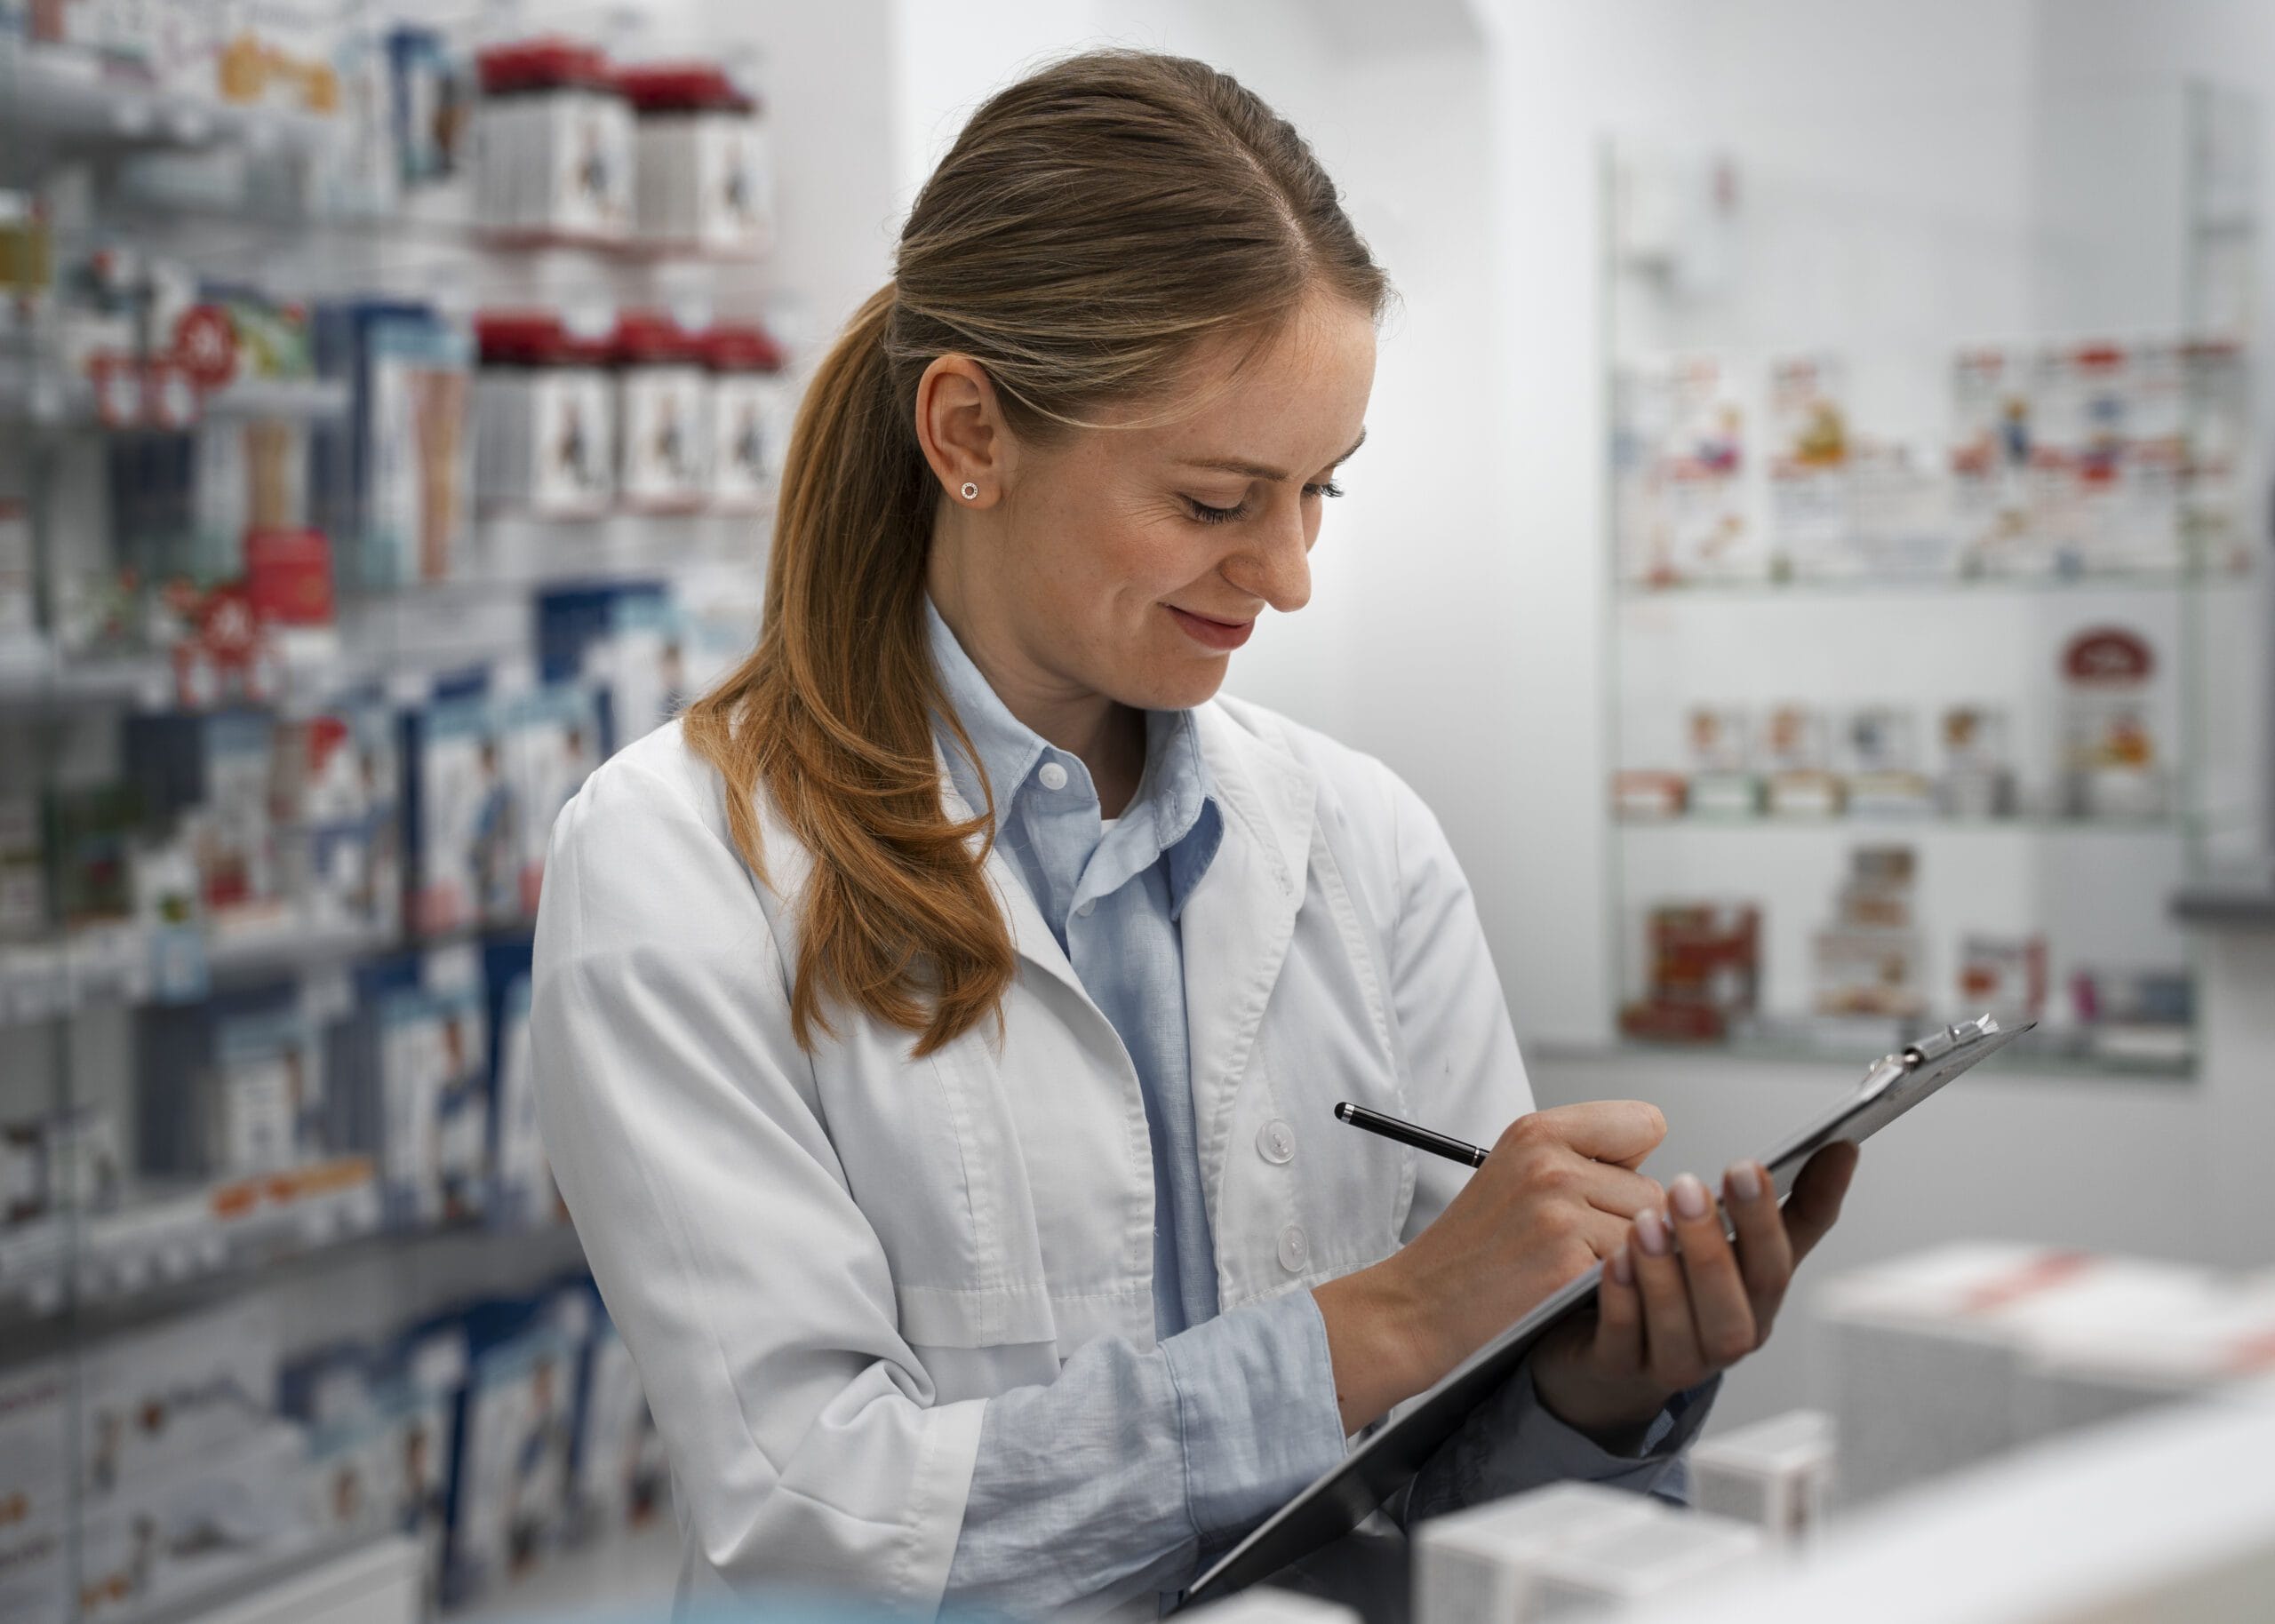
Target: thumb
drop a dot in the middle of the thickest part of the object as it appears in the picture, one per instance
(1814, 1205)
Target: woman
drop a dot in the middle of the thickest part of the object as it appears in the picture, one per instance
(941, 1025)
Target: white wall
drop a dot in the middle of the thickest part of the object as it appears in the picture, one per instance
(1458, 623)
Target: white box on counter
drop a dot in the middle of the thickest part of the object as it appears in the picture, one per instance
(1664, 1555)
(1776, 1475)
(1924, 1352)
(1483, 1562)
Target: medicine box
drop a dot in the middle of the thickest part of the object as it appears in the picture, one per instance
(1484, 1563)
(1924, 1353)
(1775, 1475)
(1663, 1555)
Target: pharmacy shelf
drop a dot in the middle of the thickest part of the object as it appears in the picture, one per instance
(1924, 823)
(438, 216)
(2149, 1053)
(152, 1260)
(2176, 577)
(61, 97)
(623, 1577)
(48, 397)
(2241, 902)
(379, 1581)
(111, 965)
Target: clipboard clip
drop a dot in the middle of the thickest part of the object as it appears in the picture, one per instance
(1894, 1069)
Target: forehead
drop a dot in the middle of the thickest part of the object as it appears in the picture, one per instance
(1295, 400)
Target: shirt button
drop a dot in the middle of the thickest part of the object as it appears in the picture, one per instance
(1275, 1142)
(1088, 908)
(1053, 775)
(1294, 1249)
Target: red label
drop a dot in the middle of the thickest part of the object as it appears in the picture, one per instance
(2108, 655)
(288, 577)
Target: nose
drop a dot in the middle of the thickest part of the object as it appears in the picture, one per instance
(1273, 562)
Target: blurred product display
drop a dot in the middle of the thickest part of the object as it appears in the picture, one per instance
(2067, 522)
(390, 420)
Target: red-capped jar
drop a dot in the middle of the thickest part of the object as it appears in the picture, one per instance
(705, 177)
(663, 413)
(545, 416)
(552, 142)
(752, 403)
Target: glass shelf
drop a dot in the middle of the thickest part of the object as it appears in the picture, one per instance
(1815, 587)
(1894, 823)
(63, 98)
(42, 981)
(2042, 1054)
(49, 397)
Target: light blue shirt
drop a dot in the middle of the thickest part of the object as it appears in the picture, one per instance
(1144, 1463)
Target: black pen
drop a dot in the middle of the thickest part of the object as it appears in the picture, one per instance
(1406, 1133)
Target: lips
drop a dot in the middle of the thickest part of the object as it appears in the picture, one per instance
(1218, 636)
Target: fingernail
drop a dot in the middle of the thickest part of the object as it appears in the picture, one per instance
(1745, 1184)
(1690, 1196)
(1622, 1267)
(1651, 1233)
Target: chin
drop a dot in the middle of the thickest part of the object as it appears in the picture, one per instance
(1196, 683)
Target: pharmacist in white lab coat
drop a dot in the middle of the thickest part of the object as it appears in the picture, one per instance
(938, 1030)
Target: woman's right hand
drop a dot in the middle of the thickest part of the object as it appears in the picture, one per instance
(1557, 1194)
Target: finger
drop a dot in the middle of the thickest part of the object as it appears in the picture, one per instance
(1718, 1303)
(1670, 1339)
(1619, 1131)
(1604, 1233)
(1618, 1190)
(1765, 1254)
(1815, 1204)
(1619, 1315)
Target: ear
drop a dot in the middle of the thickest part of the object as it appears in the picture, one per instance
(960, 425)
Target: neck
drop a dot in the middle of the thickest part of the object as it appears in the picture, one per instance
(1108, 738)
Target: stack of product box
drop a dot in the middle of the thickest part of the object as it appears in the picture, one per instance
(495, 1434)
(1948, 1358)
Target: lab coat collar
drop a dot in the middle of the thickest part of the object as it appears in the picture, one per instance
(1249, 895)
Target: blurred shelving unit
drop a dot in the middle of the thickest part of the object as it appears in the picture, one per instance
(296, 665)
(1934, 587)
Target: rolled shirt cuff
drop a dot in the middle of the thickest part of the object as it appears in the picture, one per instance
(1256, 1401)
(1512, 1443)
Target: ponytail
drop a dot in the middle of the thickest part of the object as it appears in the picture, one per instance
(831, 715)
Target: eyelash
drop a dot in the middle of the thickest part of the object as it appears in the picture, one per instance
(1207, 515)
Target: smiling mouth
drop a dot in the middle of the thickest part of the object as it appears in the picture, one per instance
(1218, 636)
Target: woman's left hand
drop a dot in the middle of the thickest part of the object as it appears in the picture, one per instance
(1680, 1302)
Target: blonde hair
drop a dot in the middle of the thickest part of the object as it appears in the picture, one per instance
(1092, 225)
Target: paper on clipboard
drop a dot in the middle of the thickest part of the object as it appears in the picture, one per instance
(1370, 1474)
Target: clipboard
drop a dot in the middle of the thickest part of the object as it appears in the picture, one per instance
(1370, 1475)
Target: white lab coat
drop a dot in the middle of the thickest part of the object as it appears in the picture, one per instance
(824, 1264)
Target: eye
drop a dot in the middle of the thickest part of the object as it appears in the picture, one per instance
(1328, 487)
(1205, 514)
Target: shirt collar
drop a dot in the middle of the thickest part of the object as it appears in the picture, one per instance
(1177, 791)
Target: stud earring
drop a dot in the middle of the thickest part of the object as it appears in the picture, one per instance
(970, 491)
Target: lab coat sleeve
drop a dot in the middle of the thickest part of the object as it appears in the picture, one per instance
(685, 1131)
(1468, 1078)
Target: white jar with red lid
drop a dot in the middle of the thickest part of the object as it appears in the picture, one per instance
(705, 177)
(553, 143)
(544, 417)
(751, 406)
(663, 414)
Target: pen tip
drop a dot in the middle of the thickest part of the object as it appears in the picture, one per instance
(1342, 1112)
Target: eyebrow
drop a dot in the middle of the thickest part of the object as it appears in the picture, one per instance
(1259, 471)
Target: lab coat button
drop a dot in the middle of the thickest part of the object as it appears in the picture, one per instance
(1275, 1142)
(1053, 775)
(1294, 1249)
